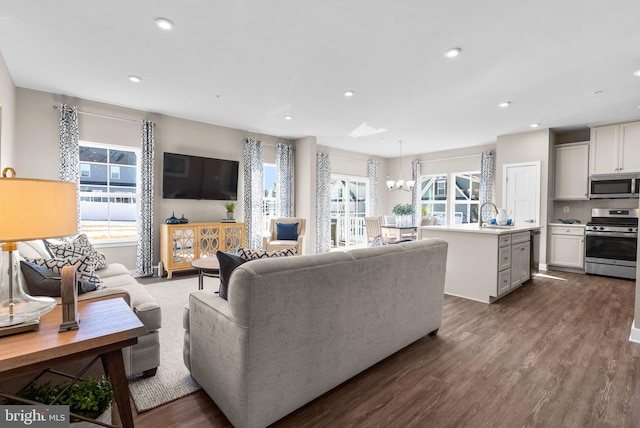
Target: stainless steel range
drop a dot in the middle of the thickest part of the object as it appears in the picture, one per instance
(611, 242)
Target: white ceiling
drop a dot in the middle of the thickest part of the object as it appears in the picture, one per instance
(248, 63)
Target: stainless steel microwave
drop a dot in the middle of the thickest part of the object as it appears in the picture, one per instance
(610, 186)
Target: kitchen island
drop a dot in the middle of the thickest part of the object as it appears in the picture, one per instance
(484, 264)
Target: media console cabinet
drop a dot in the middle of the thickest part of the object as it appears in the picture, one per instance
(181, 244)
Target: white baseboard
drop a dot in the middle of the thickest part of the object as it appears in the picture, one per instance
(635, 333)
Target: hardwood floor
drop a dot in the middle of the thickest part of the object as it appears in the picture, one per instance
(554, 353)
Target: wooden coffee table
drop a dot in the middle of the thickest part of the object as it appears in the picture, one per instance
(106, 326)
(207, 266)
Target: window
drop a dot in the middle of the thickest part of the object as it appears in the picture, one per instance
(269, 200)
(433, 196)
(108, 191)
(348, 209)
(467, 194)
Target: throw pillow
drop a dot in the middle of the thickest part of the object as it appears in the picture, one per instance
(41, 281)
(83, 266)
(78, 247)
(228, 262)
(249, 254)
(286, 231)
(378, 241)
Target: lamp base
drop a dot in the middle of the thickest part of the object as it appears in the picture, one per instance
(31, 325)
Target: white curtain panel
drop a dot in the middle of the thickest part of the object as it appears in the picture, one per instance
(487, 178)
(253, 191)
(323, 202)
(372, 206)
(285, 155)
(69, 149)
(144, 256)
(415, 193)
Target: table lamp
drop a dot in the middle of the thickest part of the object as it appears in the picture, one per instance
(29, 209)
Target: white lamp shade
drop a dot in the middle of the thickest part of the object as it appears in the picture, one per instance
(37, 209)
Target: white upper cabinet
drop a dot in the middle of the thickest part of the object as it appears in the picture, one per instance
(572, 171)
(615, 149)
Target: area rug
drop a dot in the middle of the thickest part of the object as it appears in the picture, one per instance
(172, 381)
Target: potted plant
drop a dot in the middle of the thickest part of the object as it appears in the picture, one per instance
(402, 212)
(91, 398)
(231, 207)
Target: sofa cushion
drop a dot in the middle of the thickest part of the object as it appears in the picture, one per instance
(78, 247)
(228, 262)
(249, 254)
(286, 231)
(40, 281)
(378, 241)
(84, 267)
(35, 249)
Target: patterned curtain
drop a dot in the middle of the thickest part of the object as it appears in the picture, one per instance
(253, 190)
(144, 257)
(285, 154)
(487, 171)
(323, 203)
(372, 206)
(69, 149)
(415, 193)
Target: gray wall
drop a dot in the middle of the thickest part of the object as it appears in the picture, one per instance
(7, 116)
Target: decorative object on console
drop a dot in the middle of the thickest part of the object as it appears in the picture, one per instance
(231, 207)
(22, 218)
(184, 220)
(173, 219)
(408, 185)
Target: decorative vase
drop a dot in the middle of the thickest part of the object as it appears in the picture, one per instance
(230, 215)
(173, 219)
(183, 220)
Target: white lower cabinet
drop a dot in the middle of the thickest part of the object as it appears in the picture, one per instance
(567, 247)
(514, 252)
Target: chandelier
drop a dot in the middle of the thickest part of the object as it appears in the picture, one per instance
(399, 184)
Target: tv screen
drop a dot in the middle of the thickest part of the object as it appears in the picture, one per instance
(196, 177)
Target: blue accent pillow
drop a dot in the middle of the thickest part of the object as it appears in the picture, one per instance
(286, 231)
(228, 262)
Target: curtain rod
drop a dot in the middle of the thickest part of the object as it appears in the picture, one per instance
(102, 115)
(450, 158)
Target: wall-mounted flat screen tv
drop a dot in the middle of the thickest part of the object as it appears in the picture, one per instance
(196, 177)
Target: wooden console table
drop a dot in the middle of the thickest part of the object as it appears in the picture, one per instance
(181, 244)
(106, 326)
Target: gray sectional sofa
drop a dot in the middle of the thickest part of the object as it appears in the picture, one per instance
(296, 327)
(144, 357)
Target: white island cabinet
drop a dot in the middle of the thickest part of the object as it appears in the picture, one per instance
(484, 264)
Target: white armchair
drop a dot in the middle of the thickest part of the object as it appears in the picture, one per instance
(271, 241)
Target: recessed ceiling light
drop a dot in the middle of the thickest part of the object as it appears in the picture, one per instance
(348, 93)
(597, 92)
(135, 79)
(636, 73)
(453, 52)
(504, 104)
(288, 117)
(165, 24)
(534, 125)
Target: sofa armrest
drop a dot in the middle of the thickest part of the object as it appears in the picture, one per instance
(99, 295)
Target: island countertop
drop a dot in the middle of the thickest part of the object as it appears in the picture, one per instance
(474, 228)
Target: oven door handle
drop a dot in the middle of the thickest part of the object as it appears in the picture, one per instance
(612, 234)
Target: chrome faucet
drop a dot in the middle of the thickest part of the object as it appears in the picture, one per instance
(480, 212)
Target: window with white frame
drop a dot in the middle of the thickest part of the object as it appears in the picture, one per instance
(269, 198)
(433, 196)
(108, 191)
(467, 194)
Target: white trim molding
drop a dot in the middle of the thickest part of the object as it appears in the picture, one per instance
(635, 333)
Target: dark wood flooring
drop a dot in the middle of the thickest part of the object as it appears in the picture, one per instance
(554, 353)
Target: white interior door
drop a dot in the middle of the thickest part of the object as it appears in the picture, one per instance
(521, 193)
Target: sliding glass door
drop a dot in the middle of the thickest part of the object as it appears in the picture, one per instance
(348, 208)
